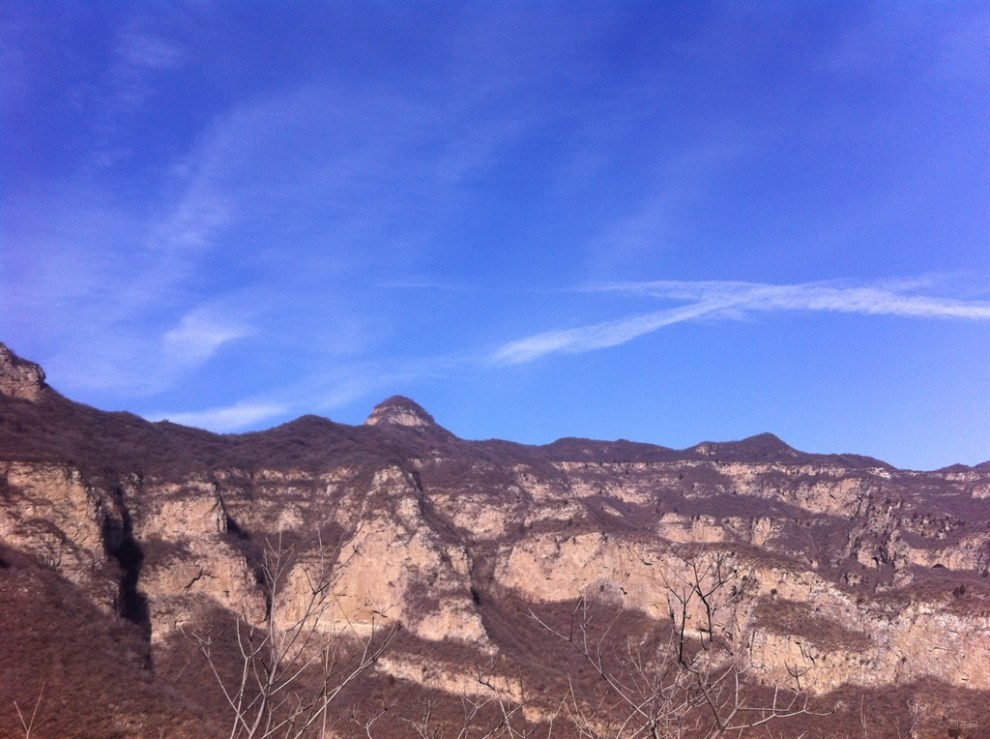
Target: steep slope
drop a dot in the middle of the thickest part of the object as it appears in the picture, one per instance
(867, 582)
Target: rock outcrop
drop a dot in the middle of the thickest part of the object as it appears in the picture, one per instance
(401, 411)
(20, 378)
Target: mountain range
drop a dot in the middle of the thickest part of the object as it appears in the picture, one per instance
(391, 579)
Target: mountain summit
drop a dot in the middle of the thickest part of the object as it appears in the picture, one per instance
(401, 411)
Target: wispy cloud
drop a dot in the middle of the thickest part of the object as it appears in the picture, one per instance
(326, 391)
(414, 283)
(899, 298)
(198, 336)
(139, 61)
(225, 419)
(151, 52)
(133, 361)
(723, 300)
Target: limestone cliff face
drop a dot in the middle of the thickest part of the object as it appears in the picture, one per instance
(53, 512)
(390, 567)
(190, 559)
(842, 568)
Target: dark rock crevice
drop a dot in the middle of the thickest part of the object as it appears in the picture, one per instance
(122, 547)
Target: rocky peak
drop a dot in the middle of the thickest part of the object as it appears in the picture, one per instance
(762, 447)
(767, 444)
(20, 378)
(401, 411)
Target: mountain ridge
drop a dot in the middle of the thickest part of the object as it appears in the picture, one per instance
(23, 379)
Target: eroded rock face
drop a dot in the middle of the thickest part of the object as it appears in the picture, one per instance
(393, 568)
(19, 378)
(842, 569)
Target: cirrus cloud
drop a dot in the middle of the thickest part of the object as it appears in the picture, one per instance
(727, 299)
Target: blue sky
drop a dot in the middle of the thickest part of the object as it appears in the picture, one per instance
(657, 221)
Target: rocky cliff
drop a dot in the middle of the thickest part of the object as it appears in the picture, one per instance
(858, 588)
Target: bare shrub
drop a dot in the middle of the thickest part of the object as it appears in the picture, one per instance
(688, 679)
(289, 673)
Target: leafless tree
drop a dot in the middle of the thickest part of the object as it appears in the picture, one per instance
(290, 673)
(30, 723)
(690, 681)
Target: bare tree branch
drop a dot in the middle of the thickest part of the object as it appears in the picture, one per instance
(690, 681)
(29, 724)
(290, 674)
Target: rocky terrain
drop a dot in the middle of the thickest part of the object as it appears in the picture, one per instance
(435, 586)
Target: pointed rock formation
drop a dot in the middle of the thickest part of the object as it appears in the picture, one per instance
(20, 378)
(401, 411)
